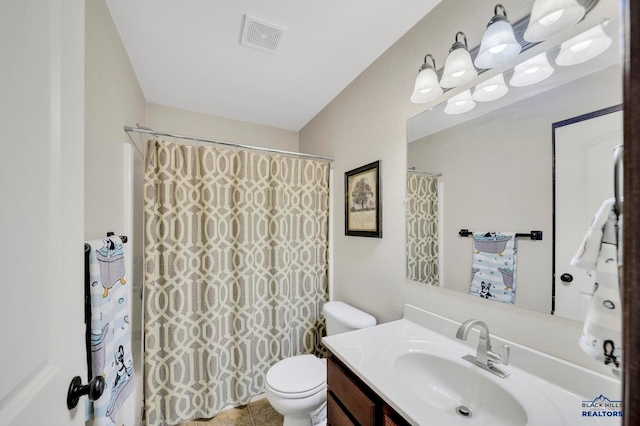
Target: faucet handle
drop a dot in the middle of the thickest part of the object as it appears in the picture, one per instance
(507, 352)
(498, 358)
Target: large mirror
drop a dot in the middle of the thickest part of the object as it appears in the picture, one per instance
(492, 171)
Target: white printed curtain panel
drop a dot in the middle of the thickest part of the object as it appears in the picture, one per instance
(236, 260)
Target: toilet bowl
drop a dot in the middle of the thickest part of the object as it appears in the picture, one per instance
(296, 387)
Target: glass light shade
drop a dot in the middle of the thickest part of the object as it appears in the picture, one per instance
(551, 17)
(499, 45)
(491, 89)
(532, 71)
(427, 88)
(460, 104)
(583, 47)
(458, 69)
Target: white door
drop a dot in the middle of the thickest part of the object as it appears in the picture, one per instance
(41, 210)
(584, 179)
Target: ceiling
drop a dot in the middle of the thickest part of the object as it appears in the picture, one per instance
(187, 54)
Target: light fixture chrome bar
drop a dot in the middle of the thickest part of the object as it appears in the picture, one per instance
(234, 145)
(519, 28)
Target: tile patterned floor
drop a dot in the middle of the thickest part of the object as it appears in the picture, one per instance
(257, 413)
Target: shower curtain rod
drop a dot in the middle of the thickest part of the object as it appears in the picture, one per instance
(235, 145)
(413, 170)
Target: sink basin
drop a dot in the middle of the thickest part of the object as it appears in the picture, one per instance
(446, 385)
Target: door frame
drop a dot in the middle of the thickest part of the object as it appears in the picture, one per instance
(631, 206)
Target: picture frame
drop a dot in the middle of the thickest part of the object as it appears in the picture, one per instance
(363, 201)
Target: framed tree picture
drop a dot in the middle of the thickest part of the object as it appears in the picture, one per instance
(363, 201)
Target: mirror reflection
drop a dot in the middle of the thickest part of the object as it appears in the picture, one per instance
(584, 178)
(490, 170)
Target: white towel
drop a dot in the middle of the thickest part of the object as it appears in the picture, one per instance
(110, 329)
(602, 333)
(587, 255)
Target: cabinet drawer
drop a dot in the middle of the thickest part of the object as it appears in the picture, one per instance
(335, 415)
(355, 401)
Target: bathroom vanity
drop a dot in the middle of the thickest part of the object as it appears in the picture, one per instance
(415, 372)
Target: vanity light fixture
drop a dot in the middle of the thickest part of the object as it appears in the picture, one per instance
(550, 17)
(427, 88)
(531, 71)
(458, 68)
(460, 103)
(583, 47)
(491, 89)
(499, 44)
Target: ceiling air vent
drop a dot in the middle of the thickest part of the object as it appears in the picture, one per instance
(261, 35)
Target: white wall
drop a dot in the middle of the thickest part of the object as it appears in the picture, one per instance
(497, 175)
(367, 122)
(113, 98)
(189, 123)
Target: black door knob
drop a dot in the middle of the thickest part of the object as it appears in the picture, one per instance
(76, 389)
(566, 278)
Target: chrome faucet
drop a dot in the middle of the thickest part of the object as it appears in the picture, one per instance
(485, 357)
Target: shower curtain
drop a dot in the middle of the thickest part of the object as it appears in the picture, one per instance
(236, 258)
(422, 228)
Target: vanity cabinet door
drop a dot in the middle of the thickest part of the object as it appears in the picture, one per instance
(391, 418)
(348, 392)
(351, 402)
(335, 414)
(388, 421)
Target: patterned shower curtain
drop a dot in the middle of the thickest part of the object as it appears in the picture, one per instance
(422, 228)
(236, 258)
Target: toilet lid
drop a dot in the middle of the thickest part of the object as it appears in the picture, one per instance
(297, 374)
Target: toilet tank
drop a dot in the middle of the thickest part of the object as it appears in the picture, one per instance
(342, 318)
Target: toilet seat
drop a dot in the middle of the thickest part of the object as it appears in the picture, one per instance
(297, 377)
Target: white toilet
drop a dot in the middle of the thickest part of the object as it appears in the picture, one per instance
(297, 387)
